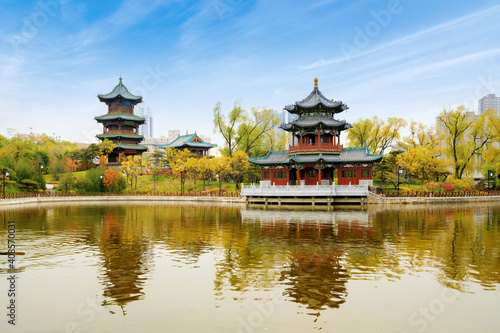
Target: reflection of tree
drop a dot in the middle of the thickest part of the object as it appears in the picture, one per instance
(316, 279)
(124, 252)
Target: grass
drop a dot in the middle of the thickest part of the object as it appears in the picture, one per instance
(171, 184)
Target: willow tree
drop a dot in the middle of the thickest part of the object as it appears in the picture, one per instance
(376, 134)
(465, 136)
(244, 131)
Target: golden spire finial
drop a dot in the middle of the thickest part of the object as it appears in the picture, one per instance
(316, 83)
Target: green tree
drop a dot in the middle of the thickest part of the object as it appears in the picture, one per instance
(376, 134)
(228, 128)
(256, 135)
(93, 181)
(465, 136)
(245, 132)
(57, 168)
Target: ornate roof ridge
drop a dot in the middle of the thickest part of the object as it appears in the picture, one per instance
(120, 90)
(314, 99)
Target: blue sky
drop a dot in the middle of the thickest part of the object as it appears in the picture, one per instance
(403, 58)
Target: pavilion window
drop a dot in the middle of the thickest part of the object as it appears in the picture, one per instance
(323, 174)
(312, 173)
(365, 173)
(267, 175)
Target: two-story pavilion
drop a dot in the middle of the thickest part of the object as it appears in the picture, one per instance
(316, 151)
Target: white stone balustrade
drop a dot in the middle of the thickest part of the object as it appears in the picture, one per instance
(304, 190)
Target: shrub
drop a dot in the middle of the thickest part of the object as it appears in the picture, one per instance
(433, 186)
(67, 179)
(29, 185)
(463, 184)
(448, 187)
(114, 181)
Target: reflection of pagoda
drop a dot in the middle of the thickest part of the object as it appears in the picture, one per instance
(316, 279)
(123, 251)
(120, 125)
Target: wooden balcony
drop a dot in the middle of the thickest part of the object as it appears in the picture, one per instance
(315, 147)
(123, 131)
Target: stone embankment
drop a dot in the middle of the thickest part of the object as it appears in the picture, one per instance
(376, 199)
(119, 199)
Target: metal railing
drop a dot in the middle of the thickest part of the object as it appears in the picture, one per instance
(224, 194)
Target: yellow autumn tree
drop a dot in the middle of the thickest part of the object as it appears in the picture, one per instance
(239, 166)
(131, 166)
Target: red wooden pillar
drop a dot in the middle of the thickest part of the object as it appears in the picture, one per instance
(319, 176)
(298, 176)
(287, 176)
(271, 175)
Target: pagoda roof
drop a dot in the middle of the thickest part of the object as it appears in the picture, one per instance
(124, 116)
(120, 90)
(315, 100)
(312, 120)
(347, 155)
(188, 140)
(120, 135)
(130, 146)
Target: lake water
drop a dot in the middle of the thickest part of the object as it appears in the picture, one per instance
(216, 268)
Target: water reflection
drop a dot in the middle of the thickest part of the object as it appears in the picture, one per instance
(314, 259)
(126, 256)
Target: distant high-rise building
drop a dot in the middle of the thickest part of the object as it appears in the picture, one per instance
(489, 101)
(292, 117)
(173, 134)
(147, 128)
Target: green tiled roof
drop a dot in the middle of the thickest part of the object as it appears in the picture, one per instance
(130, 146)
(120, 135)
(348, 155)
(124, 116)
(186, 141)
(120, 90)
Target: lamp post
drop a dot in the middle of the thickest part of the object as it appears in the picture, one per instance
(40, 167)
(400, 172)
(490, 175)
(100, 185)
(5, 175)
(182, 183)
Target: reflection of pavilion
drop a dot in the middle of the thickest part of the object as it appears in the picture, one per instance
(316, 244)
(124, 254)
(316, 279)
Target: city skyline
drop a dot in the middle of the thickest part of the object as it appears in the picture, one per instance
(386, 58)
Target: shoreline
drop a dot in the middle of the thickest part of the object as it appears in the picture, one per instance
(122, 199)
(372, 199)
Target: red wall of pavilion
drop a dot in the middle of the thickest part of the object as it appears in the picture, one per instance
(353, 180)
(273, 179)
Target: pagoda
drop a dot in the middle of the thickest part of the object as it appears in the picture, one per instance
(316, 151)
(191, 142)
(120, 125)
